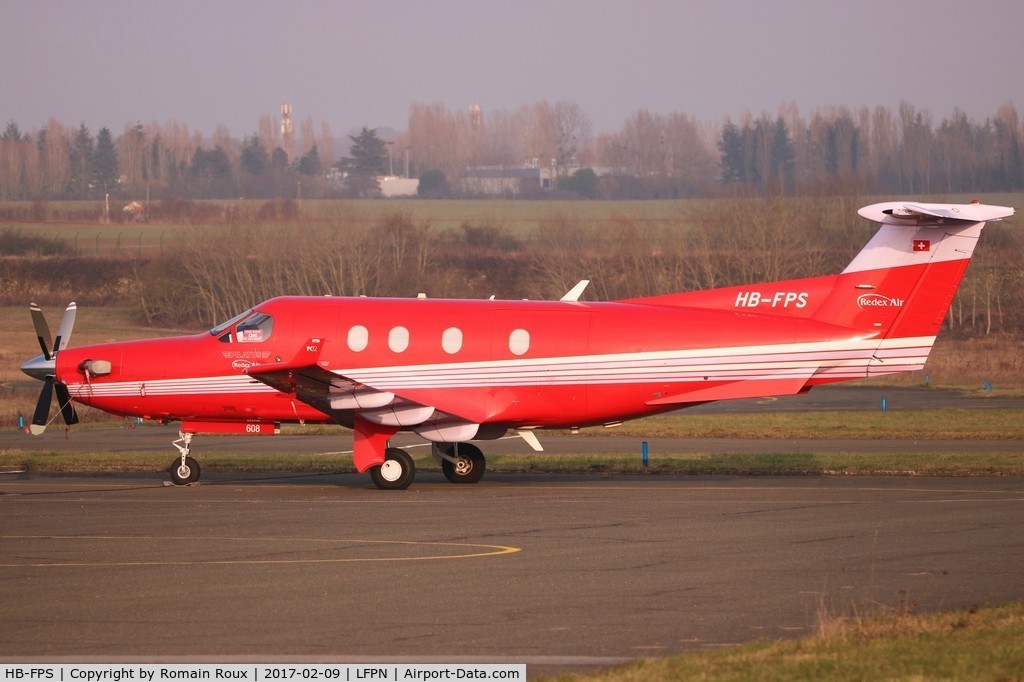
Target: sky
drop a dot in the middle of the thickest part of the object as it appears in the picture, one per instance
(352, 63)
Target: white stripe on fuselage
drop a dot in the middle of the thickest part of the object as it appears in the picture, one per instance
(834, 359)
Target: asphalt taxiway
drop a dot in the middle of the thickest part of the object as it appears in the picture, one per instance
(551, 571)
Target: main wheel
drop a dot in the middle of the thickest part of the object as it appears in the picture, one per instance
(184, 473)
(470, 464)
(397, 471)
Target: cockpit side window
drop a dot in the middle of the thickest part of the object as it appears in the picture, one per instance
(249, 327)
(255, 329)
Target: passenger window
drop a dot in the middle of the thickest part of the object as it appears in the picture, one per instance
(398, 339)
(519, 341)
(451, 340)
(358, 338)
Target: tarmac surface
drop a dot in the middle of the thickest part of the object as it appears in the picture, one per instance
(558, 572)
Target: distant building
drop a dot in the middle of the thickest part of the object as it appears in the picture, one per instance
(394, 186)
(505, 180)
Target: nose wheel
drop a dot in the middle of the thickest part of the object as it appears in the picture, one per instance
(184, 470)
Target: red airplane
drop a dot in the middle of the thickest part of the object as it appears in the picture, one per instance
(454, 371)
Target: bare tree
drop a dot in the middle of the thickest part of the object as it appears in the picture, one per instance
(307, 137)
(572, 131)
(643, 143)
(689, 152)
(269, 133)
(542, 135)
(325, 145)
(34, 170)
(915, 148)
(131, 154)
(506, 138)
(56, 159)
(883, 150)
(438, 139)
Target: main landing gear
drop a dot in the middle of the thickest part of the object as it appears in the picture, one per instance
(460, 462)
(184, 470)
(397, 471)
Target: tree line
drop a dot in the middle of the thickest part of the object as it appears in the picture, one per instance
(834, 149)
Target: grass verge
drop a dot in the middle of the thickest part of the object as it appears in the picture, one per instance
(778, 463)
(944, 424)
(975, 644)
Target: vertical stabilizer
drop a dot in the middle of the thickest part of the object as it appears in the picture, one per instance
(902, 283)
(900, 286)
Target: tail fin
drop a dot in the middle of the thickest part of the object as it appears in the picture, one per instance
(902, 283)
(900, 286)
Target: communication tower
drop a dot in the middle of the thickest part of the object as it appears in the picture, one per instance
(287, 134)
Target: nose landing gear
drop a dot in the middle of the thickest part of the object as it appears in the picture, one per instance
(184, 470)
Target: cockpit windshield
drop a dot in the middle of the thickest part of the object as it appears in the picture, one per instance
(249, 327)
(216, 331)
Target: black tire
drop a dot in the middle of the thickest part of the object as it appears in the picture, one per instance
(396, 473)
(183, 474)
(471, 466)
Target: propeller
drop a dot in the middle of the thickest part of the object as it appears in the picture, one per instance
(44, 368)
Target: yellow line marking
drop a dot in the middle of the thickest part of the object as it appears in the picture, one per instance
(488, 550)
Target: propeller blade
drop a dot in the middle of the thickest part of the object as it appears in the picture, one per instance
(42, 329)
(67, 408)
(67, 323)
(42, 413)
(43, 369)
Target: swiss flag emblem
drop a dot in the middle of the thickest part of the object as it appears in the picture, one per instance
(922, 245)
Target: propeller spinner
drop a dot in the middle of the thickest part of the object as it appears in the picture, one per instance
(44, 368)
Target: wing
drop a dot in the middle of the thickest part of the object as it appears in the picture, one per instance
(439, 417)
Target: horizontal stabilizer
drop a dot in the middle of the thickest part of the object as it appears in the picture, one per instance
(897, 211)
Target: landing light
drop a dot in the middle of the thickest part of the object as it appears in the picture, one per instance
(96, 368)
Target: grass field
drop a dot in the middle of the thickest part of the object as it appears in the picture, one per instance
(975, 644)
(520, 218)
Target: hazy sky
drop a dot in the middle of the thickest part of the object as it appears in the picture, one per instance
(355, 63)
